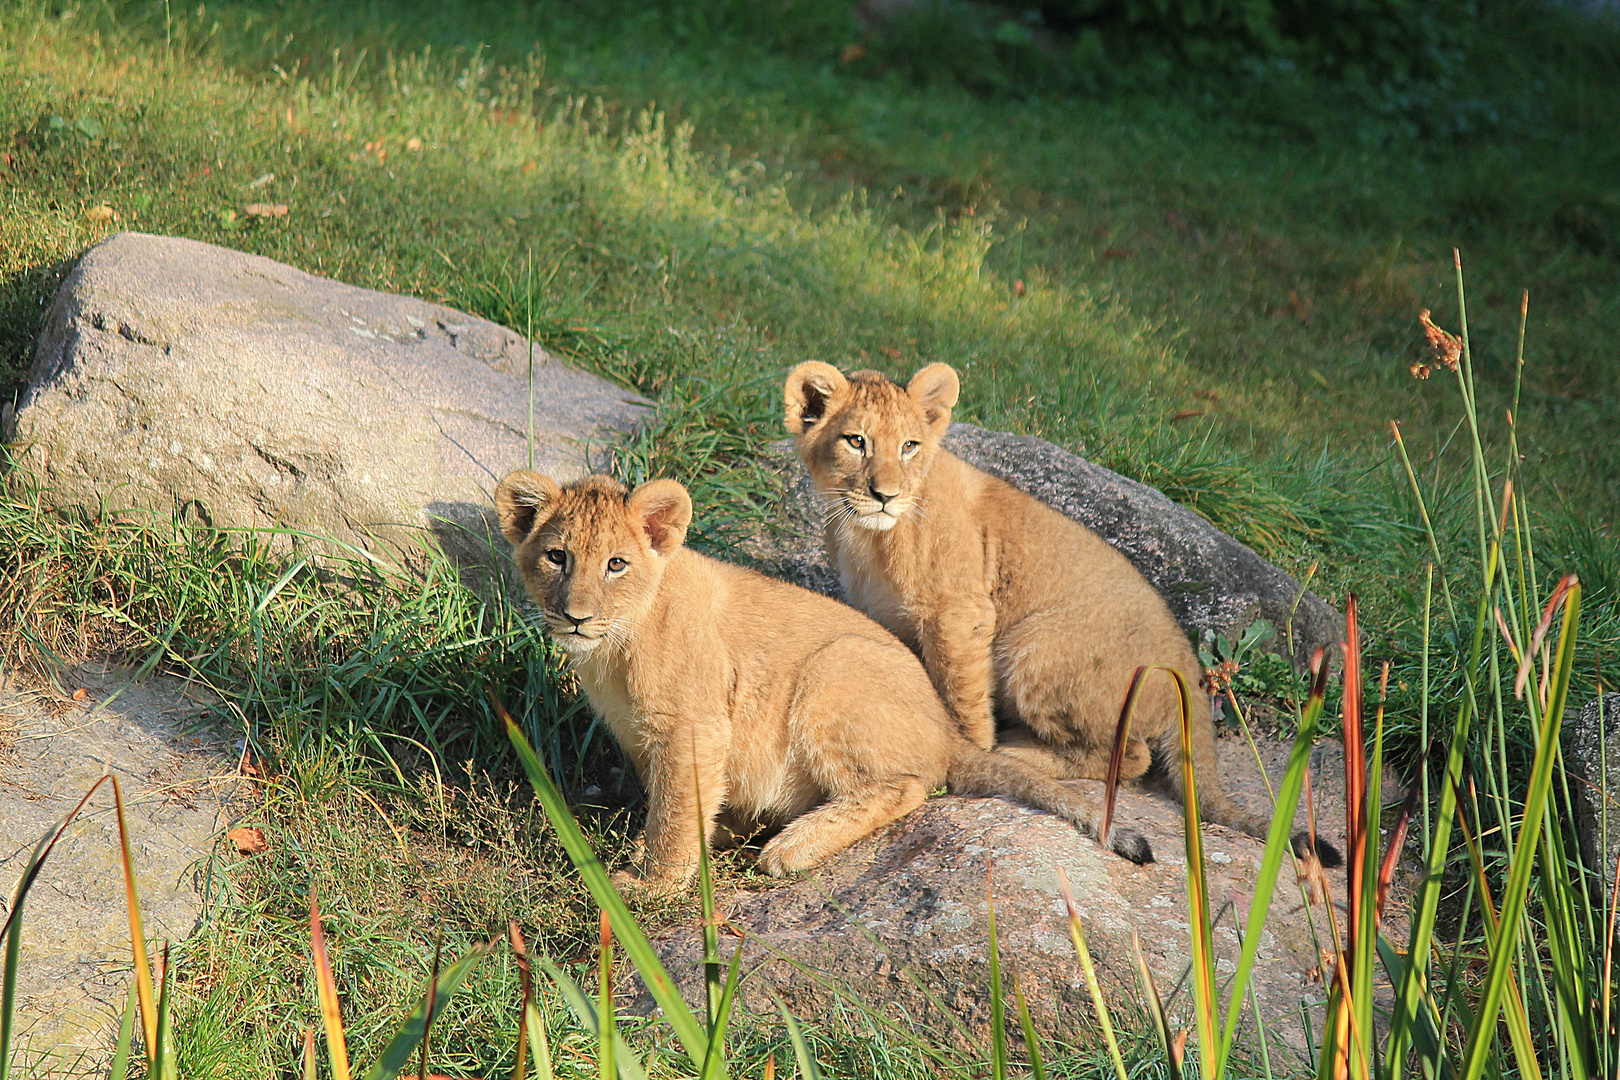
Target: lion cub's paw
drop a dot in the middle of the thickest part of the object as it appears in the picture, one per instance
(1131, 845)
(629, 882)
(778, 861)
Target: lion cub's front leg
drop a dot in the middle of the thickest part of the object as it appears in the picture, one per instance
(674, 831)
(957, 640)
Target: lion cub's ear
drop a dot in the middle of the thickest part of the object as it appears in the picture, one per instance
(665, 510)
(809, 388)
(935, 388)
(524, 501)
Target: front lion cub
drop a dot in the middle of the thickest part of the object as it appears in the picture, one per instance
(1017, 611)
(780, 706)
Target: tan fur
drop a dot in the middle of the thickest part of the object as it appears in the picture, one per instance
(1017, 611)
(774, 704)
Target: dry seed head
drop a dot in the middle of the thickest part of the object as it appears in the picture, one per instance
(1447, 349)
(1219, 678)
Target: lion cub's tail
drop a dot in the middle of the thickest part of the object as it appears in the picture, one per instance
(982, 772)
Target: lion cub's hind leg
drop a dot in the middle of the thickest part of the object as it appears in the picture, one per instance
(1056, 682)
(872, 735)
(834, 825)
(1072, 760)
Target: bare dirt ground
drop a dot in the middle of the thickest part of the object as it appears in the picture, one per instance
(179, 783)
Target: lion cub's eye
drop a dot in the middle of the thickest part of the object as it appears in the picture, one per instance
(616, 564)
(855, 442)
(557, 557)
(909, 447)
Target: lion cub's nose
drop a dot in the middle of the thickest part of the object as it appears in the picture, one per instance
(881, 496)
(578, 620)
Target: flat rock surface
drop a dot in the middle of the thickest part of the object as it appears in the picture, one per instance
(183, 378)
(178, 784)
(906, 909)
(1212, 583)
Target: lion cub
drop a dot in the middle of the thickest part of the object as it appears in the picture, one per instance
(1017, 611)
(777, 705)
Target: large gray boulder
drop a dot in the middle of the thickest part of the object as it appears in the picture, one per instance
(176, 377)
(898, 922)
(1592, 750)
(1212, 583)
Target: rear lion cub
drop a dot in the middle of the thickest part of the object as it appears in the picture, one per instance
(1019, 613)
(779, 706)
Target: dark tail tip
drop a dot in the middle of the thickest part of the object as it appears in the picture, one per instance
(1326, 853)
(1132, 845)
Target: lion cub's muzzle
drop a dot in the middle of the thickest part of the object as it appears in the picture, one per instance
(877, 514)
(576, 633)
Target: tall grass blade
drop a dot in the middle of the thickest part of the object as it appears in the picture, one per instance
(11, 930)
(714, 1065)
(584, 1010)
(1362, 799)
(432, 994)
(1529, 835)
(8, 980)
(711, 934)
(808, 1069)
(337, 1051)
(1032, 1044)
(531, 1026)
(1277, 846)
(413, 1030)
(1518, 1021)
(1206, 993)
(653, 973)
(163, 1054)
(311, 1065)
(1409, 995)
(1425, 1034)
(119, 1069)
(606, 1026)
(1155, 1007)
(137, 936)
(998, 1008)
(1116, 756)
(1078, 935)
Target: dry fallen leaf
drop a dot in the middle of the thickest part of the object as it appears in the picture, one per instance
(890, 351)
(80, 694)
(101, 215)
(852, 53)
(1018, 288)
(413, 144)
(248, 841)
(262, 209)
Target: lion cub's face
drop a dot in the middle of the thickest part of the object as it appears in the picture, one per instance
(590, 554)
(867, 441)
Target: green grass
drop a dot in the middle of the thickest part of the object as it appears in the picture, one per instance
(690, 206)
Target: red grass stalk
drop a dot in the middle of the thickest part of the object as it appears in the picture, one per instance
(1355, 773)
(1116, 759)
